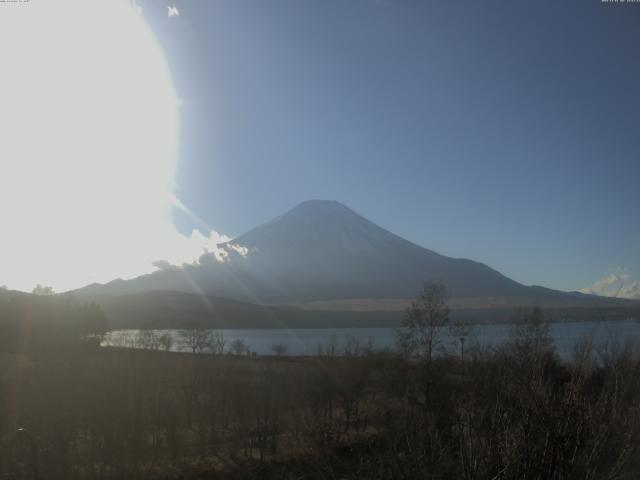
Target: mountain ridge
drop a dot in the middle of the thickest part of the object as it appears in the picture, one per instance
(323, 250)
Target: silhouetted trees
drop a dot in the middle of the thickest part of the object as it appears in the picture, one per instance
(279, 349)
(34, 322)
(239, 346)
(200, 340)
(43, 290)
(166, 341)
(513, 411)
(423, 327)
(195, 339)
(216, 343)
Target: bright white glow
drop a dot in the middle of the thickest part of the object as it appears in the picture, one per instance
(88, 146)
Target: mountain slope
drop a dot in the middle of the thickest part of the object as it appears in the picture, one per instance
(323, 250)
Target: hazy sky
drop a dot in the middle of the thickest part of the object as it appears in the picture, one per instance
(506, 132)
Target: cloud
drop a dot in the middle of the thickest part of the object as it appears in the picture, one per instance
(180, 249)
(618, 283)
(238, 249)
(172, 11)
(162, 265)
(198, 249)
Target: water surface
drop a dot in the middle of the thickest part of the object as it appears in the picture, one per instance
(310, 341)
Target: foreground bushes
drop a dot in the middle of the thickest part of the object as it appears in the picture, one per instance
(515, 412)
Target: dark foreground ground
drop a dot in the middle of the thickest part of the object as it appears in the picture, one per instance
(514, 413)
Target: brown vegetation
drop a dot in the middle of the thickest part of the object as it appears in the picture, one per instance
(71, 410)
(516, 412)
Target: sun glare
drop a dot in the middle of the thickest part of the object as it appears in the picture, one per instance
(89, 125)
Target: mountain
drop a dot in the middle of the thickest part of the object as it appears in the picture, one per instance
(322, 251)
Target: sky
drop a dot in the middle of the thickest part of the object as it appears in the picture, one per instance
(504, 132)
(143, 130)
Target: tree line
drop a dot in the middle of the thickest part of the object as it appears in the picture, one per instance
(46, 322)
(416, 411)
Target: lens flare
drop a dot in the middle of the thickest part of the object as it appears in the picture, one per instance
(89, 122)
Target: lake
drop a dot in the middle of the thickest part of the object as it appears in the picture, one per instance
(309, 341)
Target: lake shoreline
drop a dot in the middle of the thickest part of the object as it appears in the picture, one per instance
(311, 342)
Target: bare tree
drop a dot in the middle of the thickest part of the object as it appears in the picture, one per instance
(216, 343)
(166, 341)
(239, 346)
(43, 290)
(531, 338)
(148, 339)
(423, 327)
(195, 339)
(279, 349)
(330, 349)
(461, 331)
(352, 347)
